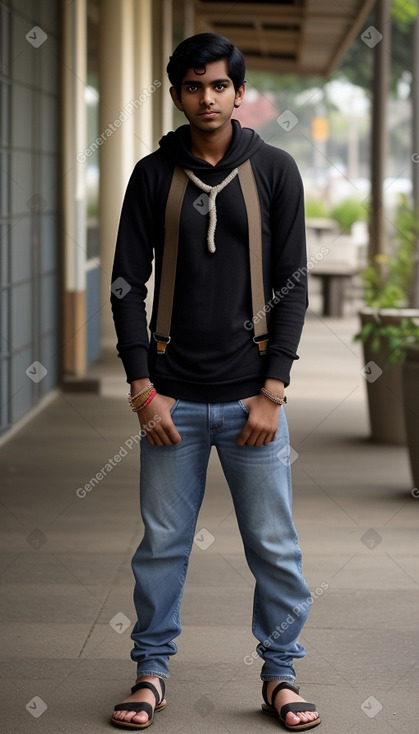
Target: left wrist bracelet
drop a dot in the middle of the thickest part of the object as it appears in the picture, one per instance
(273, 398)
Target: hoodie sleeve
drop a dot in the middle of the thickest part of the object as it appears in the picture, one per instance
(289, 272)
(131, 271)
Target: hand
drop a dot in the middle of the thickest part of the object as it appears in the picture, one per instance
(164, 432)
(262, 423)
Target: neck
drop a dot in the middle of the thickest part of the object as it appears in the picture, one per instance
(211, 146)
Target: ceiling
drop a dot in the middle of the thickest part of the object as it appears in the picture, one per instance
(287, 36)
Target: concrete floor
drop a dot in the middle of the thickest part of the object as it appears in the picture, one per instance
(66, 610)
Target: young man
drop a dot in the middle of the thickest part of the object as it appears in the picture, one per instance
(212, 384)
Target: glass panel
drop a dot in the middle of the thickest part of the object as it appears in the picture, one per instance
(47, 58)
(21, 387)
(48, 243)
(21, 251)
(4, 254)
(22, 116)
(21, 316)
(4, 114)
(48, 189)
(23, 196)
(48, 296)
(4, 183)
(4, 41)
(48, 117)
(23, 56)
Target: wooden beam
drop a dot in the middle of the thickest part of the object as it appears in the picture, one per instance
(365, 8)
(248, 12)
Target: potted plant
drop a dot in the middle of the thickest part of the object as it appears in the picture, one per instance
(410, 382)
(388, 327)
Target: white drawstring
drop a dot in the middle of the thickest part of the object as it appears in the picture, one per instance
(212, 191)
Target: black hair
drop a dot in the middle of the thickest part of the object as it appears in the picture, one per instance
(196, 51)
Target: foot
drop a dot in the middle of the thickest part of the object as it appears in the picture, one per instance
(287, 696)
(141, 696)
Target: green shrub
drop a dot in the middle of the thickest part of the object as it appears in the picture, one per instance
(315, 209)
(347, 212)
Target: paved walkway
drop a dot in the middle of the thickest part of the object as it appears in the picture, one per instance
(66, 584)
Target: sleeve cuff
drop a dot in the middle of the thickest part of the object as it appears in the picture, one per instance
(279, 368)
(135, 361)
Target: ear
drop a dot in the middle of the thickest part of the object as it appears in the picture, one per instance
(175, 98)
(238, 99)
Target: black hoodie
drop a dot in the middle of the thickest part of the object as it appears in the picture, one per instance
(212, 356)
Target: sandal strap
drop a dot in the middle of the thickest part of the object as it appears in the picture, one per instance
(285, 684)
(146, 684)
(137, 707)
(296, 708)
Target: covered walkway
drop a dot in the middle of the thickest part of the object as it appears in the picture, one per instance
(66, 580)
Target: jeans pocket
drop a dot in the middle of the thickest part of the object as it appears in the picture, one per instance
(243, 407)
(174, 406)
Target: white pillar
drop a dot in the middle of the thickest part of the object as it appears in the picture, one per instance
(167, 49)
(116, 121)
(74, 73)
(144, 78)
(162, 49)
(189, 18)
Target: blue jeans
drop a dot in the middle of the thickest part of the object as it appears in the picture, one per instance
(172, 484)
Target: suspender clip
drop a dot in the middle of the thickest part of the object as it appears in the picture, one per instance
(162, 342)
(262, 342)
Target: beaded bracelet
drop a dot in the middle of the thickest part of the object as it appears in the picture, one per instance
(140, 398)
(146, 402)
(147, 387)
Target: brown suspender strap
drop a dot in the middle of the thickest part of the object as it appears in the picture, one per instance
(168, 273)
(254, 223)
(171, 242)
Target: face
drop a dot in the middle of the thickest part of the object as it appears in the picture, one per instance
(208, 99)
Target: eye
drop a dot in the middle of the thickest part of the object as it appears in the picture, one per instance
(192, 87)
(221, 86)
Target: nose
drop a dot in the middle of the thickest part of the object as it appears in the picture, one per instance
(206, 96)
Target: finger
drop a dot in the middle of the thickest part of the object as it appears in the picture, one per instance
(252, 437)
(170, 435)
(174, 436)
(242, 439)
(260, 441)
(166, 434)
(269, 438)
(150, 439)
(161, 438)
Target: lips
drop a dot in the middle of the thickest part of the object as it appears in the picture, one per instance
(209, 114)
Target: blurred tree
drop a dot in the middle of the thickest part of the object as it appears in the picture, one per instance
(357, 66)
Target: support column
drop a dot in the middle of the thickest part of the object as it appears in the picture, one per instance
(162, 49)
(116, 121)
(147, 84)
(74, 186)
(378, 243)
(189, 18)
(415, 149)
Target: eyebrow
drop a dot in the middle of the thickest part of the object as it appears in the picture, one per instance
(199, 84)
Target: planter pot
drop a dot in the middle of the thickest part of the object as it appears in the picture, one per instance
(385, 392)
(410, 372)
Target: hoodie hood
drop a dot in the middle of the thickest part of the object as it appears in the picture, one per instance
(177, 146)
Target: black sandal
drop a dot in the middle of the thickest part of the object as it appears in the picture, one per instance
(296, 708)
(138, 707)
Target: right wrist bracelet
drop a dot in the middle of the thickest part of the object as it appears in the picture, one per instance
(142, 398)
